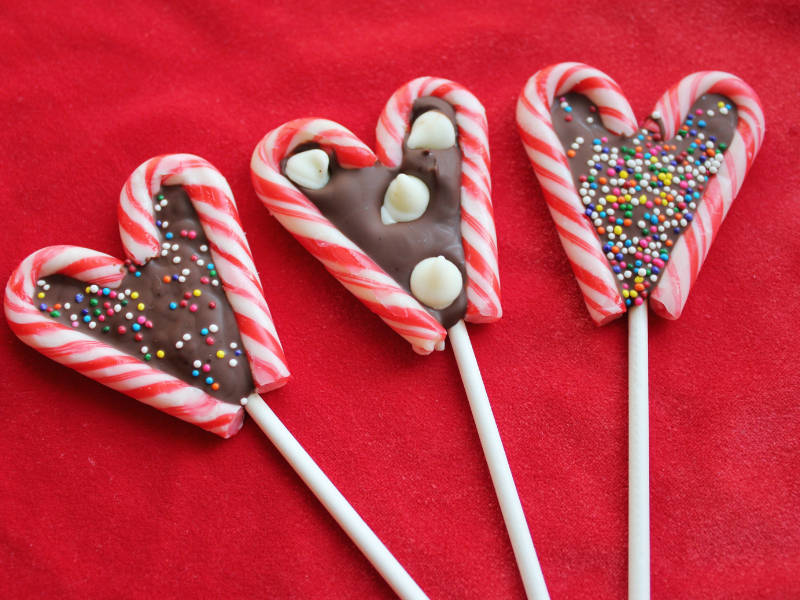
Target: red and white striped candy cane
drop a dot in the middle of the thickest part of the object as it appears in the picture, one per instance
(551, 165)
(212, 198)
(98, 360)
(691, 250)
(347, 262)
(477, 216)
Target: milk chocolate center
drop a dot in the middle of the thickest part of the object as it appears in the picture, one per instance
(352, 201)
(174, 316)
(640, 192)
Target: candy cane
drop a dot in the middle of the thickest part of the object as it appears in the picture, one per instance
(212, 198)
(550, 163)
(346, 261)
(691, 250)
(95, 359)
(552, 169)
(477, 216)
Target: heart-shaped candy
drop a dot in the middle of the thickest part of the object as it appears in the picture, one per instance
(638, 208)
(182, 325)
(409, 232)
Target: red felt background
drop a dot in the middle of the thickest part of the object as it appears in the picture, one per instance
(103, 497)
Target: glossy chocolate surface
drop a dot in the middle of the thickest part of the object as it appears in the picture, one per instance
(641, 192)
(352, 201)
(159, 310)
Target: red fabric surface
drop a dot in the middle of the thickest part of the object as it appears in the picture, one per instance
(101, 496)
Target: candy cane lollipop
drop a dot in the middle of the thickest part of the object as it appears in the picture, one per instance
(637, 211)
(410, 232)
(182, 325)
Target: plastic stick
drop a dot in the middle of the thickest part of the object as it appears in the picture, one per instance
(510, 506)
(341, 510)
(638, 457)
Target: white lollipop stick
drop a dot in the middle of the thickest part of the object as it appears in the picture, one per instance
(341, 510)
(638, 457)
(510, 506)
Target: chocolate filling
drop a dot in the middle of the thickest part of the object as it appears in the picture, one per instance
(640, 214)
(352, 201)
(170, 308)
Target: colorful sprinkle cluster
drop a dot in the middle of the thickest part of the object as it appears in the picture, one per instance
(641, 196)
(122, 313)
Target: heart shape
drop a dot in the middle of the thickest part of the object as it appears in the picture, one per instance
(348, 258)
(676, 234)
(157, 326)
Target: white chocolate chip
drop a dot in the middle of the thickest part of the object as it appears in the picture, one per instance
(405, 200)
(436, 282)
(309, 169)
(432, 130)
